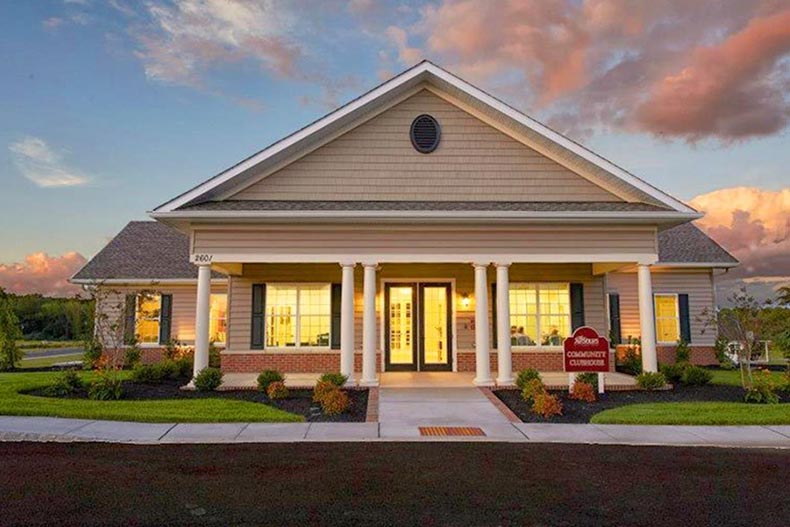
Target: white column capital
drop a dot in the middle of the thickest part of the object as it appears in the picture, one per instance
(479, 265)
(366, 265)
(348, 264)
(503, 264)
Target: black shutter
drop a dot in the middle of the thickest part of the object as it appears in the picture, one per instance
(337, 293)
(685, 319)
(614, 319)
(165, 317)
(258, 316)
(493, 315)
(577, 306)
(129, 318)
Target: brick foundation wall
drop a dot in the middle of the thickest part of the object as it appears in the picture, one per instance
(149, 355)
(700, 355)
(288, 362)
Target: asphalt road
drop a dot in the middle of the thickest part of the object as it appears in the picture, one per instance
(390, 484)
(51, 352)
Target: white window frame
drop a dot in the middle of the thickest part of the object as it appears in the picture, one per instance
(158, 319)
(677, 317)
(538, 346)
(298, 330)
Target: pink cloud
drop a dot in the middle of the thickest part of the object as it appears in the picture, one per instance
(41, 273)
(726, 88)
(753, 224)
(674, 68)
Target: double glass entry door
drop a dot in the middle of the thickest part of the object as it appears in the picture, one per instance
(417, 327)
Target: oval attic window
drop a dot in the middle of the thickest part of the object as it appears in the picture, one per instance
(425, 134)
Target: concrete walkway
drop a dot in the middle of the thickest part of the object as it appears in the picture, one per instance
(57, 429)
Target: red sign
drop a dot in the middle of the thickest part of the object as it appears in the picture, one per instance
(586, 351)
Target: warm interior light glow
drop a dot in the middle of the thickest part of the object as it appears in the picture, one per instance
(465, 301)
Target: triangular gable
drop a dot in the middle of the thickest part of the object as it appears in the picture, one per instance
(542, 139)
(376, 161)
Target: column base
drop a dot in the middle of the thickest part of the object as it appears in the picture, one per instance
(508, 381)
(369, 383)
(351, 382)
(483, 382)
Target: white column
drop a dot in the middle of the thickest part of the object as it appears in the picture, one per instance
(647, 319)
(369, 327)
(347, 322)
(504, 354)
(202, 319)
(483, 367)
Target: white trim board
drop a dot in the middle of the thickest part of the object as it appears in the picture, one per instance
(423, 72)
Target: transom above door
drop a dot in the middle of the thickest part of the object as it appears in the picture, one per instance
(418, 327)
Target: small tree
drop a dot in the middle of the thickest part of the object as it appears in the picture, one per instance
(740, 324)
(783, 295)
(10, 332)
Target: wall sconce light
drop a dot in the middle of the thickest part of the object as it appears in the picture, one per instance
(465, 301)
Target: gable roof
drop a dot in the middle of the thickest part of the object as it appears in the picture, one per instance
(152, 251)
(530, 132)
(143, 250)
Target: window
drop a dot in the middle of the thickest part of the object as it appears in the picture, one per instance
(667, 318)
(149, 309)
(218, 326)
(298, 315)
(540, 314)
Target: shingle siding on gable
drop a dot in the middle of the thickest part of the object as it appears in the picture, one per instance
(474, 162)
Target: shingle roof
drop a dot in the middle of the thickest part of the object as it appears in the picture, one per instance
(687, 244)
(149, 250)
(142, 250)
(530, 206)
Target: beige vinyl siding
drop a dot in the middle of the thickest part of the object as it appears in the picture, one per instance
(488, 241)
(697, 283)
(112, 300)
(474, 162)
(463, 275)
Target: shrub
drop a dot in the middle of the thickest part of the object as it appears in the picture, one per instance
(147, 373)
(583, 391)
(682, 352)
(589, 377)
(267, 377)
(321, 389)
(524, 376)
(531, 389)
(277, 390)
(672, 372)
(92, 354)
(338, 379)
(214, 357)
(547, 405)
(171, 349)
(170, 369)
(696, 376)
(132, 356)
(651, 380)
(66, 383)
(106, 386)
(631, 363)
(763, 390)
(335, 402)
(208, 380)
(184, 365)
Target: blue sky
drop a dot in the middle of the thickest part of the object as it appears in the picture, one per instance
(138, 102)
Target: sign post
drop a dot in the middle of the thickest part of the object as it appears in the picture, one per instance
(586, 351)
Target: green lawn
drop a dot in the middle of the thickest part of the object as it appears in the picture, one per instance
(44, 362)
(733, 377)
(213, 410)
(700, 413)
(696, 413)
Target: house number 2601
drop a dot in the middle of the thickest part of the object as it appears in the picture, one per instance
(202, 258)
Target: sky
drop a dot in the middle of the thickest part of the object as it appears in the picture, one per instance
(110, 107)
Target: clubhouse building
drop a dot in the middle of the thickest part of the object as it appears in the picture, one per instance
(424, 226)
